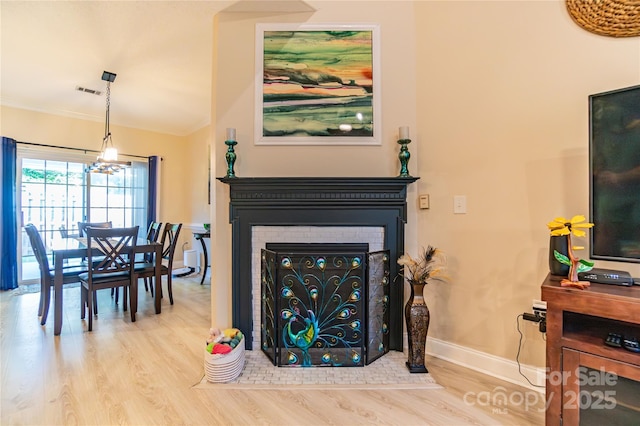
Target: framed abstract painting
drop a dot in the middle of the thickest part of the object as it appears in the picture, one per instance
(317, 85)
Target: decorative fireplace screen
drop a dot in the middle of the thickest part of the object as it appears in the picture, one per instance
(325, 308)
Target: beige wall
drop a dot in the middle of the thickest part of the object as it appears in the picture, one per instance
(495, 94)
(233, 106)
(503, 119)
(234, 96)
(196, 174)
(496, 97)
(36, 127)
(196, 171)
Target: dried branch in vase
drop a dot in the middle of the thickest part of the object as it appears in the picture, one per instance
(429, 265)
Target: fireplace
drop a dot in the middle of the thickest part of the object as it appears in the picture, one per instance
(268, 236)
(316, 202)
(324, 305)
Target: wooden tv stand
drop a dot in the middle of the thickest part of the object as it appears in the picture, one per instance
(578, 322)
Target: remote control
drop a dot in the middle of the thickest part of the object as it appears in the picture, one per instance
(614, 340)
(631, 344)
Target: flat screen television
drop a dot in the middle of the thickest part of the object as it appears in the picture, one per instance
(614, 169)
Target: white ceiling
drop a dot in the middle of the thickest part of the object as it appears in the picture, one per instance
(161, 52)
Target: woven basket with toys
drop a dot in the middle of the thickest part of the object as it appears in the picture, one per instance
(223, 355)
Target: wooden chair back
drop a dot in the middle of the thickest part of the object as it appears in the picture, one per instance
(170, 241)
(153, 233)
(39, 250)
(63, 231)
(82, 226)
(116, 247)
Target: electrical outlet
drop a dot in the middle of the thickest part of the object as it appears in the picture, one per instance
(539, 304)
(539, 308)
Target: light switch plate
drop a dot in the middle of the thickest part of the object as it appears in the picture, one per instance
(459, 204)
(424, 201)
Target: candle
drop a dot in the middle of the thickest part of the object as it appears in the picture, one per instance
(231, 134)
(404, 132)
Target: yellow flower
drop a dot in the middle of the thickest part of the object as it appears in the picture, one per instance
(562, 226)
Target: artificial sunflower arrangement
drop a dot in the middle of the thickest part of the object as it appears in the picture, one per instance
(429, 265)
(576, 226)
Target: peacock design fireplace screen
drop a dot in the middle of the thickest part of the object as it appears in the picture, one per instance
(325, 308)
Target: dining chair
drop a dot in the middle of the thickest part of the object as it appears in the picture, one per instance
(111, 268)
(82, 226)
(64, 232)
(169, 242)
(70, 274)
(153, 233)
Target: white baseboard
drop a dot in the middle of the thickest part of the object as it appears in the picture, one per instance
(501, 368)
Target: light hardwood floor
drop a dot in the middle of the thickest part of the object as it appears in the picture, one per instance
(143, 373)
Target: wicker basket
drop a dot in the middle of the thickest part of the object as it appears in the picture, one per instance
(614, 18)
(220, 368)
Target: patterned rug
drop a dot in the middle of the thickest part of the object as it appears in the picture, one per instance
(387, 372)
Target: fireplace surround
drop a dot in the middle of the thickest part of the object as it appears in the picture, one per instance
(314, 201)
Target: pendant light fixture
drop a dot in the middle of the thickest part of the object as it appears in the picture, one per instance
(107, 161)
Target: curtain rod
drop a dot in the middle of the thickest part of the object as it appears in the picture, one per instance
(75, 149)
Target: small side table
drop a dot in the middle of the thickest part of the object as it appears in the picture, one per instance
(201, 236)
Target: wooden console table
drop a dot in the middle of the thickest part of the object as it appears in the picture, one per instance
(585, 377)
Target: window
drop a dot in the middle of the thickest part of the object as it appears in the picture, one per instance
(120, 198)
(56, 194)
(53, 194)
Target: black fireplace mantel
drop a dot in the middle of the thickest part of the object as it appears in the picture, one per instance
(314, 201)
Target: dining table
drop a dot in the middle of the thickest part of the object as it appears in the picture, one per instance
(76, 248)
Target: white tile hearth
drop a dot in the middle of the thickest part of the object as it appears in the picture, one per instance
(388, 371)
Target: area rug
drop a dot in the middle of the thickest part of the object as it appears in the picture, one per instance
(388, 372)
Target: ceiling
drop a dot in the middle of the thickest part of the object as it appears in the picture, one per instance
(161, 52)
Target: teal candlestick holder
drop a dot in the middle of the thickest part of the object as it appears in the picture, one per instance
(231, 158)
(404, 156)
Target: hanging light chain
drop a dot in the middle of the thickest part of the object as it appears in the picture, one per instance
(107, 132)
(107, 161)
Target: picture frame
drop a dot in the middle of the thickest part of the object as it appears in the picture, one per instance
(318, 84)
